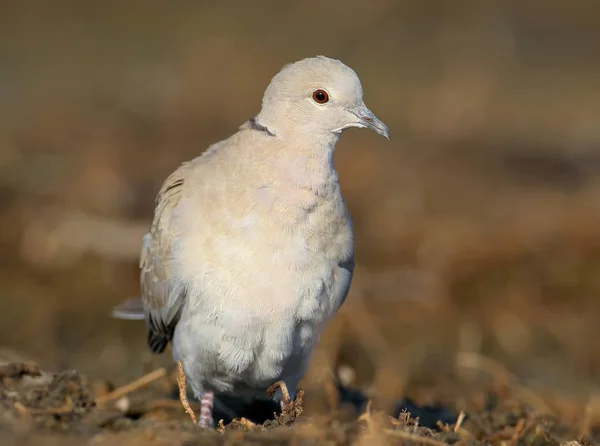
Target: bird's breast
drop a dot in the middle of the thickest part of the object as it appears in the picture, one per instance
(276, 251)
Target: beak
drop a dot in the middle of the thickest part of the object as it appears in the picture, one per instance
(368, 120)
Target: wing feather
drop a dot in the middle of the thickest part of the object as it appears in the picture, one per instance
(163, 296)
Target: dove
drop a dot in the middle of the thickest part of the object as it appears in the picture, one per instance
(251, 249)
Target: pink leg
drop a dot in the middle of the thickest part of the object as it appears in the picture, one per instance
(206, 406)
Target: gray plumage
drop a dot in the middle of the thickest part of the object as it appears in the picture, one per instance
(251, 249)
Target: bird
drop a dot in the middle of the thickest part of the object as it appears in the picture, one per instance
(251, 249)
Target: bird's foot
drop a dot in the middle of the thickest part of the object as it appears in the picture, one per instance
(290, 410)
(206, 407)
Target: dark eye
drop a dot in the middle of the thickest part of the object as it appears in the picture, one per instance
(320, 96)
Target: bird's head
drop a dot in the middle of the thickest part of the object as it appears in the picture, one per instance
(318, 96)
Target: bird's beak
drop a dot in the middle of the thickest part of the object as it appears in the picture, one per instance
(368, 120)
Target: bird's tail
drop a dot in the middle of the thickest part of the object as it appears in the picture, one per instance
(132, 309)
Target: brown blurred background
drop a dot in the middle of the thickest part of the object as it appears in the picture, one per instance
(477, 226)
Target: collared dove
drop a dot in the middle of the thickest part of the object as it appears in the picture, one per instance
(251, 249)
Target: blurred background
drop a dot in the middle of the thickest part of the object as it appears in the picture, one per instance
(477, 226)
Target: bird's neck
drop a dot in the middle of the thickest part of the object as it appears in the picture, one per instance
(311, 135)
(307, 165)
(307, 159)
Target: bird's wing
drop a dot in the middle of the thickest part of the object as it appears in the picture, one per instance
(163, 295)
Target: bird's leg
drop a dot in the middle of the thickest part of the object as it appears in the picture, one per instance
(182, 383)
(206, 407)
(290, 410)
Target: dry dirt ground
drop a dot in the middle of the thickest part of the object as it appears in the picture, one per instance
(61, 408)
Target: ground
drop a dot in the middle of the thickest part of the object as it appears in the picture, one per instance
(44, 408)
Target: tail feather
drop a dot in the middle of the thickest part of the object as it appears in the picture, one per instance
(132, 309)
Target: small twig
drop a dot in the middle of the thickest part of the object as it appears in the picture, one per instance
(459, 421)
(588, 414)
(247, 423)
(489, 365)
(415, 438)
(298, 404)
(502, 376)
(132, 386)
(149, 406)
(289, 408)
(362, 321)
(21, 409)
(182, 384)
(18, 370)
(586, 424)
(518, 431)
(366, 416)
(66, 409)
(442, 426)
(332, 394)
(285, 394)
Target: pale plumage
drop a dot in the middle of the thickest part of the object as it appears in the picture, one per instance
(251, 248)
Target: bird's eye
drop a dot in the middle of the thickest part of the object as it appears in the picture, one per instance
(320, 96)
